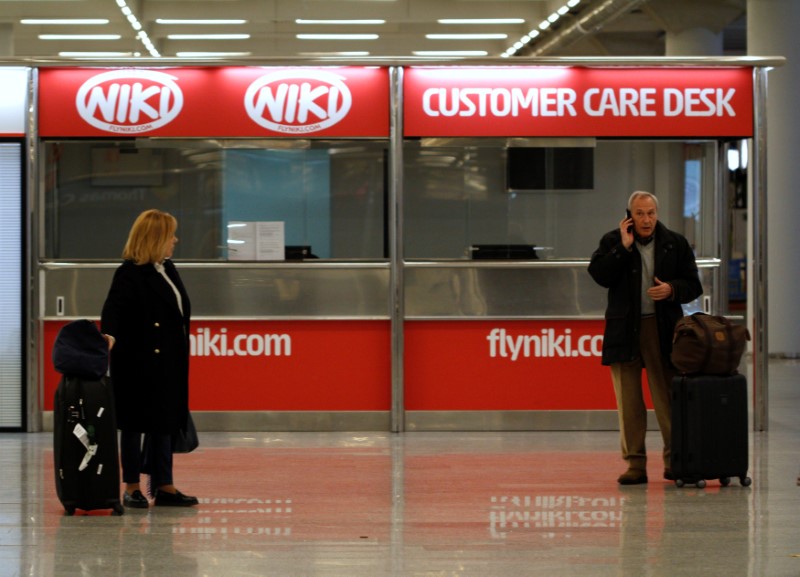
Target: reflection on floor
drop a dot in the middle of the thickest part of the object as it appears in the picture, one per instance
(419, 505)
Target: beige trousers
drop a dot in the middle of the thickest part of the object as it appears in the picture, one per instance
(627, 378)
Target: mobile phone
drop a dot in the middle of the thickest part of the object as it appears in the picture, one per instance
(628, 214)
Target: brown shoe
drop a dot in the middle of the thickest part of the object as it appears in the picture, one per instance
(633, 477)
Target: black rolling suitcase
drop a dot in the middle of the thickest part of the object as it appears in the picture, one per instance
(85, 446)
(85, 450)
(709, 429)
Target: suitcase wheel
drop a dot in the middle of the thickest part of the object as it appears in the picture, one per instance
(69, 511)
(701, 484)
(725, 481)
(117, 509)
(679, 483)
(745, 481)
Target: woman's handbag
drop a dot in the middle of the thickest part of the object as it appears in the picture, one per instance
(185, 439)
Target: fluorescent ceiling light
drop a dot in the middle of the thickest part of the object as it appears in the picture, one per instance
(481, 21)
(208, 36)
(359, 22)
(79, 36)
(466, 36)
(450, 53)
(141, 35)
(64, 21)
(96, 54)
(199, 22)
(212, 54)
(338, 36)
(352, 53)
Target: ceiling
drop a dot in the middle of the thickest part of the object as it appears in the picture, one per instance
(608, 27)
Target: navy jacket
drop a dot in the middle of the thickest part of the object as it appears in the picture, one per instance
(620, 271)
(150, 358)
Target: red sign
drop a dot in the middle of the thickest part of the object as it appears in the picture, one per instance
(588, 102)
(278, 365)
(506, 365)
(213, 102)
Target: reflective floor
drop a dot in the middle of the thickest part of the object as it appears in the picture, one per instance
(419, 505)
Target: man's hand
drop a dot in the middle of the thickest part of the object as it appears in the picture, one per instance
(627, 237)
(660, 291)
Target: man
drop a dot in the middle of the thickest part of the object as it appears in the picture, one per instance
(649, 272)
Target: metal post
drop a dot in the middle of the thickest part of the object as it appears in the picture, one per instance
(758, 268)
(396, 247)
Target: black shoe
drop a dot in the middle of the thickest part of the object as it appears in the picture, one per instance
(176, 499)
(135, 500)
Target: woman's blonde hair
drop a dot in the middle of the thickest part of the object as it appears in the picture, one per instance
(149, 235)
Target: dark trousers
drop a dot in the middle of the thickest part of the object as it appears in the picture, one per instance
(153, 456)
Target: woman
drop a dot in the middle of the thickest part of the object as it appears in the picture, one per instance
(146, 321)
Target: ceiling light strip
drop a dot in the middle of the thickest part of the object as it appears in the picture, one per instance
(212, 54)
(466, 36)
(64, 21)
(141, 34)
(182, 22)
(543, 25)
(464, 53)
(208, 36)
(481, 21)
(337, 36)
(79, 36)
(340, 22)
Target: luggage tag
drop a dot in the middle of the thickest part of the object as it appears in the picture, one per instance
(91, 448)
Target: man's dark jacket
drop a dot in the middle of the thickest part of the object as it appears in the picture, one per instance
(620, 271)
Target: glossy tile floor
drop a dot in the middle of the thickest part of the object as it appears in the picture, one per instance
(419, 505)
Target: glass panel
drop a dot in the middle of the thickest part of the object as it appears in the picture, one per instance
(457, 198)
(329, 195)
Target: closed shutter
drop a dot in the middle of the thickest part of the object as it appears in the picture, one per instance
(11, 333)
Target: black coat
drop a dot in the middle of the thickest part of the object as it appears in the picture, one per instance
(150, 358)
(620, 271)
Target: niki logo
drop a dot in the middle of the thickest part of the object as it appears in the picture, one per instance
(129, 101)
(298, 102)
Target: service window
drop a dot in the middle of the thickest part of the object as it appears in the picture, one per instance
(330, 196)
(463, 196)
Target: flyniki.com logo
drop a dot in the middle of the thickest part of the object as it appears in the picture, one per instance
(205, 342)
(298, 102)
(129, 101)
(548, 343)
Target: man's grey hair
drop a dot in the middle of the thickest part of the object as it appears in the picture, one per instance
(640, 194)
